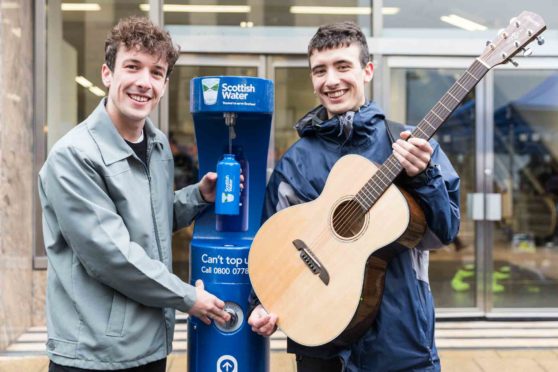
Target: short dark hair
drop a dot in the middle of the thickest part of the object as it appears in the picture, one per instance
(141, 33)
(341, 34)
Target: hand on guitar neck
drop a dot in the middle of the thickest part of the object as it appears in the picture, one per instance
(263, 323)
(413, 153)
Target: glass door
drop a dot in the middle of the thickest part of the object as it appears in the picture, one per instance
(412, 86)
(525, 141)
(181, 128)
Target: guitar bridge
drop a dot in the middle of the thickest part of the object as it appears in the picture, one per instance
(311, 261)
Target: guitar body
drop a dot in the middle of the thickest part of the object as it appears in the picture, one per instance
(331, 289)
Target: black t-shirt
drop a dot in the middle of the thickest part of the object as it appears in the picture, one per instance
(140, 149)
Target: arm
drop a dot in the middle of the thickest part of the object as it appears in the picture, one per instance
(74, 197)
(192, 199)
(431, 179)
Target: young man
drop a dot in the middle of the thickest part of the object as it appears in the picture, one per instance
(108, 214)
(402, 336)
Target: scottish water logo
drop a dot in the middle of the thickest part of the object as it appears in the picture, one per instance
(237, 91)
(210, 88)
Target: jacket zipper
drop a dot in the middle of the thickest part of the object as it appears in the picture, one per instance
(146, 167)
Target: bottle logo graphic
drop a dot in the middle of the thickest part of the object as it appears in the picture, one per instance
(227, 198)
(210, 88)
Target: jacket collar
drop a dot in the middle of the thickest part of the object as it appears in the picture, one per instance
(316, 123)
(112, 146)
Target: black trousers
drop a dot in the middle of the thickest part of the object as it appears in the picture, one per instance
(308, 364)
(157, 366)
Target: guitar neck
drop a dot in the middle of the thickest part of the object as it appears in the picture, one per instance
(391, 168)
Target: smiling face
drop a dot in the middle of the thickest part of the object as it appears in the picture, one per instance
(338, 78)
(135, 87)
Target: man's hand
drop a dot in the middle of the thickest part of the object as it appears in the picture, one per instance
(208, 307)
(414, 154)
(207, 186)
(208, 183)
(263, 323)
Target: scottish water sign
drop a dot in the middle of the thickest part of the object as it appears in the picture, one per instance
(231, 94)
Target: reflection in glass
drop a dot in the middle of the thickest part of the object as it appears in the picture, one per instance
(526, 175)
(183, 145)
(293, 99)
(414, 93)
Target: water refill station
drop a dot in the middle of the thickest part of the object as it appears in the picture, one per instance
(232, 115)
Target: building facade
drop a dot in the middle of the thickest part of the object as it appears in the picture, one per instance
(503, 139)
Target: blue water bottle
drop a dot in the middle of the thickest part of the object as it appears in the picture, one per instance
(227, 198)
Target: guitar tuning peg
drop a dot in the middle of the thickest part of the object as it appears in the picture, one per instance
(514, 21)
(527, 52)
(540, 40)
(514, 63)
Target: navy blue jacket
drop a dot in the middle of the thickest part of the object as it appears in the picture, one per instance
(402, 337)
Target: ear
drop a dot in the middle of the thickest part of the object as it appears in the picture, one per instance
(164, 87)
(368, 72)
(106, 75)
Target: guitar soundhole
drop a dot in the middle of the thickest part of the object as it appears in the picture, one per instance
(348, 219)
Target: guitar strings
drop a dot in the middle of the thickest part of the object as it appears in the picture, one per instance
(353, 211)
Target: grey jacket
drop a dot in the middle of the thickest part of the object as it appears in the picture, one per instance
(107, 224)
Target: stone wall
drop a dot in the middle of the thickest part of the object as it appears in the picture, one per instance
(16, 168)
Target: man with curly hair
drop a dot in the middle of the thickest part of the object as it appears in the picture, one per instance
(109, 211)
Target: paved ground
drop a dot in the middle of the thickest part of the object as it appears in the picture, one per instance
(452, 361)
(484, 346)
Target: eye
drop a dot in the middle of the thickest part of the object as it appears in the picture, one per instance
(318, 72)
(344, 67)
(131, 67)
(158, 73)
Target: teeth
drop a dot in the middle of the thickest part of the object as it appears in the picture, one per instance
(138, 98)
(336, 94)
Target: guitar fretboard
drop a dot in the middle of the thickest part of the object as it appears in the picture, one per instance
(391, 168)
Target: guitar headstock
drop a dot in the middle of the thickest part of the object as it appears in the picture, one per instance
(521, 31)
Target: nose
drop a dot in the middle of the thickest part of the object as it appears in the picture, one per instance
(331, 78)
(143, 78)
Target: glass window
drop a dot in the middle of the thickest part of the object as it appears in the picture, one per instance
(413, 93)
(262, 17)
(293, 99)
(526, 175)
(425, 15)
(76, 35)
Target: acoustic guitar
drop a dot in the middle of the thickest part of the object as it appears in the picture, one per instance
(319, 265)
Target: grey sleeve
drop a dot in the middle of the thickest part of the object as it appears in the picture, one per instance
(188, 202)
(76, 203)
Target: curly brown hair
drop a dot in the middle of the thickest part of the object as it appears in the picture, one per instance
(141, 33)
(341, 34)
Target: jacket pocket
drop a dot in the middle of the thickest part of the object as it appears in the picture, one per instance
(117, 316)
(60, 347)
